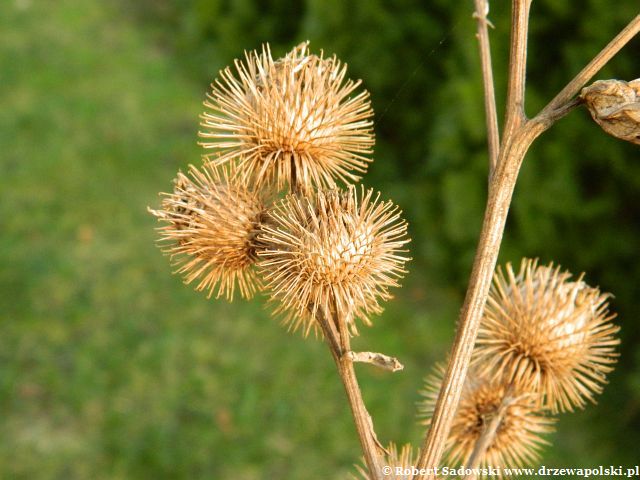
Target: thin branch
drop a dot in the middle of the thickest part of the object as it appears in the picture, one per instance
(549, 118)
(493, 132)
(361, 417)
(550, 113)
(334, 327)
(515, 114)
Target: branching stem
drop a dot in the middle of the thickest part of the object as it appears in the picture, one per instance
(519, 134)
(341, 350)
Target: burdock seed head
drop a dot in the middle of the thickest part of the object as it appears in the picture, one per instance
(547, 333)
(210, 228)
(332, 251)
(522, 422)
(295, 121)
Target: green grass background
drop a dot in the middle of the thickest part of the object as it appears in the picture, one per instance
(111, 369)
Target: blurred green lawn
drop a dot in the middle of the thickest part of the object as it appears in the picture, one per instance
(109, 367)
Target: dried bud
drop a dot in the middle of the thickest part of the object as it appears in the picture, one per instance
(293, 121)
(518, 435)
(211, 227)
(399, 465)
(615, 106)
(546, 333)
(335, 250)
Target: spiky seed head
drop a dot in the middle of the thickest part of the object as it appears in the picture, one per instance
(401, 462)
(335, 249)
(210, 231)
(547, 333)
(518, 439)
(296, 121)
(615, 106)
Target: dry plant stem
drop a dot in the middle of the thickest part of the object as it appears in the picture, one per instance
(340, 349)
(361, 417)
(501, 186)
(493, 134)
(518, 136)
(515, 115)
(500, 193)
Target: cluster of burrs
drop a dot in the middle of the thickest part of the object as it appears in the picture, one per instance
(266, 212)
(545, 346)
(273, 208)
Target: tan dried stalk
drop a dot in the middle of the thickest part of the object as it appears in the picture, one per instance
(493, 134)
(335, 329)
(519, 133)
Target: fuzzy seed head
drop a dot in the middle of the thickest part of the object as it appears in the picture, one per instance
(401, 463)
(547, 334)
(332, 250)
(518, 439)
(296, 121)
(210, 227)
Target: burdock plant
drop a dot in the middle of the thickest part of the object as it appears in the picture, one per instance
(273, 208)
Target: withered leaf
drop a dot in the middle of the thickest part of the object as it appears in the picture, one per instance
(615, 106)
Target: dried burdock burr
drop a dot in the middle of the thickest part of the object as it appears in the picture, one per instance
(399, 464)
(333, 251)
(615, 106)
(546, 333)
(211, 222)
(296, 121)
(496, 423)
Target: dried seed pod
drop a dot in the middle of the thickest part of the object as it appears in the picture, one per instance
(522, 422)
(295, 121)
(400, 464)
(211, 227)
(615, 106)
(547, 333)
(334, 250)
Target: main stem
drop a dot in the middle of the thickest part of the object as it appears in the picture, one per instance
(500, 193)
(360, 416)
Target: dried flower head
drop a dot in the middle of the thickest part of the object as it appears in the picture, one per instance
(518, 437)
(545, 332)
(292, 121)
(615, 106)
(211, 226)
(400, 462)
(334, 250)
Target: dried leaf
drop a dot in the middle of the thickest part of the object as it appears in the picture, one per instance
(615, 106)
